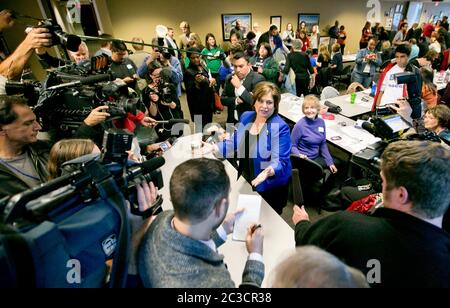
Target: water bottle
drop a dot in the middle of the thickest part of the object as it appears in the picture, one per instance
(374, 90)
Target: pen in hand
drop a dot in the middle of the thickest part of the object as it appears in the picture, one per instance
(255, 227)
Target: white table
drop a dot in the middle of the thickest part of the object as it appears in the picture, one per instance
(363, 104)
(278, 236)
(349, 58)
(352, 139)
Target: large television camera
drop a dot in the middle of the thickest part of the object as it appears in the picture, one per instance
(80, 218)
(64, 100)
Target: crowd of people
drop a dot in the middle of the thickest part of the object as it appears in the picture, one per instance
(179, 248)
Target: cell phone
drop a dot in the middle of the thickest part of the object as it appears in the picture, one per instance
(164, 146)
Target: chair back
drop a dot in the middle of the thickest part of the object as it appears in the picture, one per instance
(329, 92)
(308, 169)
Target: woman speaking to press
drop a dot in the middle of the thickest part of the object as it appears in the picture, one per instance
(262, 145)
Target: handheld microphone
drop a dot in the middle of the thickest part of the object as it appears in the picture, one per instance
(173, 121)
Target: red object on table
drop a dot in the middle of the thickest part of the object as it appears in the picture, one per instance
(328, 116)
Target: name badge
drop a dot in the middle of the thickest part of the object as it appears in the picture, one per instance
(129, 66)
(321, 129)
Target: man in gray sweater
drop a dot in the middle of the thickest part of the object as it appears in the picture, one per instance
(180, 247)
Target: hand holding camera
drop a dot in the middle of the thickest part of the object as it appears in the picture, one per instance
(97, 116)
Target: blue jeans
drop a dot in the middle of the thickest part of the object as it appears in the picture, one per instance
(364, 79)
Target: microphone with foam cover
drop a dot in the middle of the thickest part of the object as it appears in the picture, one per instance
(152, 164)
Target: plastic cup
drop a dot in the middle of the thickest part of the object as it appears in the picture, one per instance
(195, 145)
(352, 98)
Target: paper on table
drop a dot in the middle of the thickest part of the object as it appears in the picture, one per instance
(252, 206)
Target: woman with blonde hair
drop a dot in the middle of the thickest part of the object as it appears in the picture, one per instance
(323, 61)
(66, 150)
(309, 135)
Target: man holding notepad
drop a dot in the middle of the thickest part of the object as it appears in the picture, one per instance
(180, 247)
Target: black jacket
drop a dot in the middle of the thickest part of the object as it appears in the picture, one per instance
(11, 184)
(411, 252)
(229, 97)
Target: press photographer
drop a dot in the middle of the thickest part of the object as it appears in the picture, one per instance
(161, 99)
(12, 66)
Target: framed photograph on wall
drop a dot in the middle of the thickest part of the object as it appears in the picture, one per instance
(229, 22)
(310, 19)
(276, 20)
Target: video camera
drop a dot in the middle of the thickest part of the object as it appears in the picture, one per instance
(79, 217)
(69, 41)
(414, 90)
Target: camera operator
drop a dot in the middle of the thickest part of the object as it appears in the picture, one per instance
(167, 61)
(23, 159)
(389, 93)
(12, 66)
(93, 127)
(122, 67)
(161, 99)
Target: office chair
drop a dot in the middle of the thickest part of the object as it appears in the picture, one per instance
(343, 78)
(313, 180)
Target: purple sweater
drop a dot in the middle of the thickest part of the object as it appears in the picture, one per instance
(309, 138)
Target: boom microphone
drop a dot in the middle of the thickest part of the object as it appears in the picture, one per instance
(173, 121)
(85, 80)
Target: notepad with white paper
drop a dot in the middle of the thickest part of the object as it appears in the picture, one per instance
(252, 207)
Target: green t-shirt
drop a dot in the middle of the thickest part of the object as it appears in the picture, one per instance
(213, 63)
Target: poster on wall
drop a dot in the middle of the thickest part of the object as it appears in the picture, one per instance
(310, 20)
(229, 22)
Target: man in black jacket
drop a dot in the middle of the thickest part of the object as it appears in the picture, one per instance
(402, 244)
(238, 87)
(23, 159)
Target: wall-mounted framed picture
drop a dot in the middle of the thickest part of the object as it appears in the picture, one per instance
(276, 20)
(229, 22)
(310, 19)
